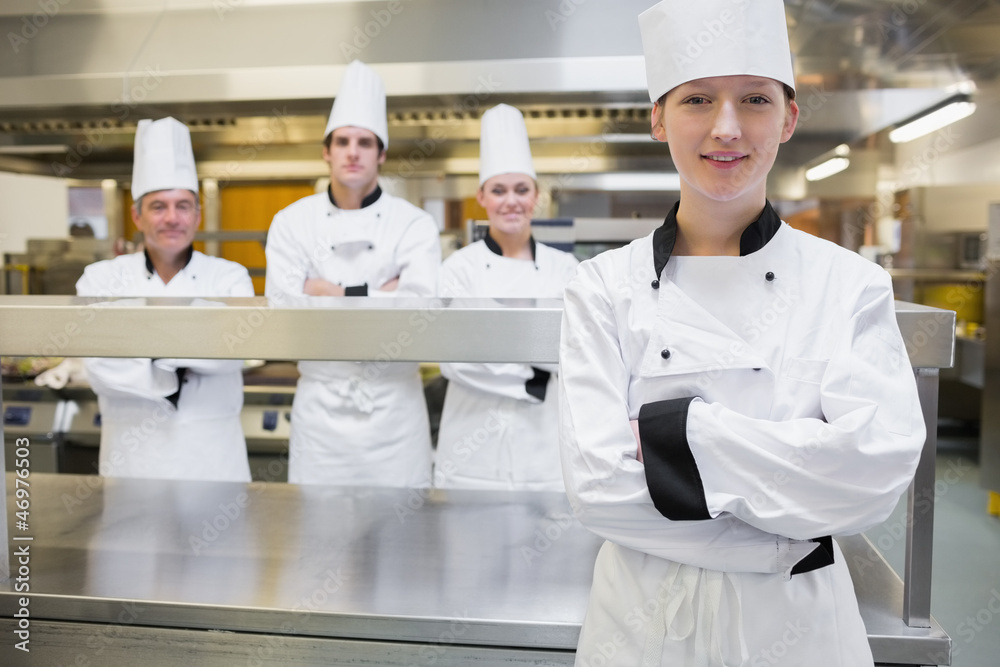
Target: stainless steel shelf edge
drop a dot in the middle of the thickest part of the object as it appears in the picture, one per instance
(57, 643)
(375, 330)
(928, 333)
(344, 329)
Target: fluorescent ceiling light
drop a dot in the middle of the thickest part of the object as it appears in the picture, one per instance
(624, 182)
(626, 138)
(34, 149)
(932, 122)
(828, 168)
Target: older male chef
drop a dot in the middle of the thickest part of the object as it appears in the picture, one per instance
(355, 423)
(168, 418)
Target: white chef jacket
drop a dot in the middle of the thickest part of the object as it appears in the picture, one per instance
(500, 423)
(776, 405)
(144, 434)
(356, 423)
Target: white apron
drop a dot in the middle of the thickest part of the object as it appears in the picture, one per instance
(356, 423)
(494, 434)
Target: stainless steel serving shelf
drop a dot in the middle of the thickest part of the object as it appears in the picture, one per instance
(127, 572)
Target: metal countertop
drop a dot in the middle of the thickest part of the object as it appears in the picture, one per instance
(462, 567)
(509, 569)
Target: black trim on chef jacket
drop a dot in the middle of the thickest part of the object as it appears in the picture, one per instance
(150, 269)
(357, 290)
(497, 250)
(176, 396)
(539, 383)
(365, 203)
(755, 236)
(672, 475)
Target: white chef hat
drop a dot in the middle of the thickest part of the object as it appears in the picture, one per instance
(684, 40)
(503, 144)
(163, 158)
(360, 103)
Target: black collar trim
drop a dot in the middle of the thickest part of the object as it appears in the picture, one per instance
(757, 234)
(150, 269)
(497, 250)
(366, 202)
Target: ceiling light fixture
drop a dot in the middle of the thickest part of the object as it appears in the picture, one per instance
(626, 182)
(948, 112)
(834, 165)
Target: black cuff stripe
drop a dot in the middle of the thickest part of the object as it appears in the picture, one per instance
(538, 385)
(820, 557)
(176, 396)
(671, 471)
(356, 290)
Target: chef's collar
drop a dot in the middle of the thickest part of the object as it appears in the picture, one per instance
(150, 269)
(497, 250)
(367, 201)
(754, 237)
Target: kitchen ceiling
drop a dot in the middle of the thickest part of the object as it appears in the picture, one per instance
(254, 79)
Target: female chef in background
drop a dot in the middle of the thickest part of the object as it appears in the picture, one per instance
(500, 424)
(760, 369)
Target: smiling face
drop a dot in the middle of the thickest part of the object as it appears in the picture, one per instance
(724, 134)
(168, 220)
(509, 200)
(354, 158)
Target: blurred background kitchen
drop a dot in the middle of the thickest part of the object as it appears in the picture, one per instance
(254, 79)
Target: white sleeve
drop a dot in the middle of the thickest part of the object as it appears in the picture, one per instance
(287, 262)
(605, 483)
(418, 253)
(130, 378)
(806, 478)
(234, 281)
(501, 379)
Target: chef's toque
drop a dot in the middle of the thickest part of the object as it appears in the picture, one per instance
(684, 40)
(503, 144)
(360, 103)
(163, 158)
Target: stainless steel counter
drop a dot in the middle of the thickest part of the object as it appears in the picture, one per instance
(464, 569)
(127, 572)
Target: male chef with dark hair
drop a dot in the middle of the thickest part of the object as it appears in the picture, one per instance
(356, 423)
(168, 418)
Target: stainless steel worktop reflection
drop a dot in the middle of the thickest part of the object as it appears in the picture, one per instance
(488, 568)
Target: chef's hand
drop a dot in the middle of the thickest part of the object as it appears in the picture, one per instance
(390, 286)
(635, 431)
(320, 287)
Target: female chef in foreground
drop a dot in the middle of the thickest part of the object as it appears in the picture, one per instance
(500, 424)
(760, 369)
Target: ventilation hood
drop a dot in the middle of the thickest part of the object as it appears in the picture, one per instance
(254, 79)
